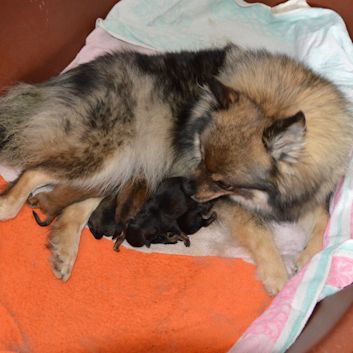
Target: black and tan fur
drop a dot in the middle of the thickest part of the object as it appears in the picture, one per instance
(276, 153)
(115, 211)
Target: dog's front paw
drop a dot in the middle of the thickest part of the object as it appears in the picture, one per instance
(303, 259)
(290, 264)
(64, 248)
(273, 278)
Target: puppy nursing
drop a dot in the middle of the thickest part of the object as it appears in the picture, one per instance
(52, 203)
(168, 216)
(264, 136)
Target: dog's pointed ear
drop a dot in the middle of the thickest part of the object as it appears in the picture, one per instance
(285, 138)
(224, 95)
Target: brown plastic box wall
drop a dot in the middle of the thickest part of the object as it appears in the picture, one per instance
(38, 38)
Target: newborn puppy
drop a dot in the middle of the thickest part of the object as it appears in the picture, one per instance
(113, 213)
(53, 202)
(102, 220)
(165, 218)
(169, 215)
(189, 223)
(195, 218)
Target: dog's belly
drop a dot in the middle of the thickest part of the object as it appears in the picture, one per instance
(129, 163)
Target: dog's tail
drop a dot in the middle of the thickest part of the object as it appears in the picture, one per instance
(31, 118)
(16, 106)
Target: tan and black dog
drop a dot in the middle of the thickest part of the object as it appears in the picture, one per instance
(275, 139)
(275, 154)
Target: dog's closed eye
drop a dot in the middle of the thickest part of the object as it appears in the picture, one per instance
(223, 185)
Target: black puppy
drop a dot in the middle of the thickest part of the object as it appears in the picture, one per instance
(196, 218)
(113, 213)
(102, 220)
(169, 215)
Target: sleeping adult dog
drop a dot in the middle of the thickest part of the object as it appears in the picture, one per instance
(273, 138)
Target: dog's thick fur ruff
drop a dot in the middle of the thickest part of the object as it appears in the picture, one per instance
(277, 150)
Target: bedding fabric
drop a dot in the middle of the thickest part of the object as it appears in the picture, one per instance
(315, 36)
(126, 302)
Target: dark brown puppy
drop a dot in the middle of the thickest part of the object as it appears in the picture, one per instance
(124, 204)
(51, 203)
(113, 213)
(102, 221)
(169, 215)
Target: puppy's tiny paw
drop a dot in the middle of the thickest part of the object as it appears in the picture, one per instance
(32, 201)
(273, 279)
(40, 200)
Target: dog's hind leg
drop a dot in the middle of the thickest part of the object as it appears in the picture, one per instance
(64, 237)
(14, 198)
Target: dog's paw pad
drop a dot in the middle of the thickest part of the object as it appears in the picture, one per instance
(290, 264)
(302, 260)
(62, 260)
(274, 280)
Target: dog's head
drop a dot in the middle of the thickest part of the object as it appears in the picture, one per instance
(245, 153)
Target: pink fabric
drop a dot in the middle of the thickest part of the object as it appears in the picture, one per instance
(264, 331)
(100, 42)
(341, 272)
(271, 332)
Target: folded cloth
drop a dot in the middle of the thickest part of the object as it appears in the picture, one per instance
(315, 36)
(126, 302)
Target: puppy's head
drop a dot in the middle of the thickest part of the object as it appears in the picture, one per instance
(102, 220)
(244, 153)
(141, 230)
(171, 199)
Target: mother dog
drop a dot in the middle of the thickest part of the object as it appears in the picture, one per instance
(288, 133)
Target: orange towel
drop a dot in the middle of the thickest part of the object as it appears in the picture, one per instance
(120, 302)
